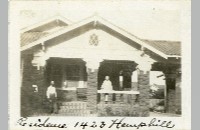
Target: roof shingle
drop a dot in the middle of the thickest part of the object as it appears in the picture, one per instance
(29, 37)
(167, 47)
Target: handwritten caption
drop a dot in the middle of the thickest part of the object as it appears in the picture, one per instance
(114, 123)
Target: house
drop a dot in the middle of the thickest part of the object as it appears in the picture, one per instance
(78, 56)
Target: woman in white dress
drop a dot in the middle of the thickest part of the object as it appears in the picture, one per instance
(107, 86)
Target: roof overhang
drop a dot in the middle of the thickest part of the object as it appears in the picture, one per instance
(47, 21)
(95, 19)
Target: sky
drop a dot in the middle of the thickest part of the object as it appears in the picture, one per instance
(143, 19)
(157, 80)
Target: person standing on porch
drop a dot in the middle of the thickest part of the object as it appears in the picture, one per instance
(52, 97)
(107, 85)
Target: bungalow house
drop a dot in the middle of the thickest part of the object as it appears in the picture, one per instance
(78, 56)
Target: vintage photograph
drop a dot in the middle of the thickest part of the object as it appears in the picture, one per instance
(124, 63)
(109, 65)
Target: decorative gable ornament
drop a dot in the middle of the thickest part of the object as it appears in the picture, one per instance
(94, 40)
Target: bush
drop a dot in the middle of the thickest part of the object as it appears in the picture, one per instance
(158, 107)
(157, 94)
(119, 110)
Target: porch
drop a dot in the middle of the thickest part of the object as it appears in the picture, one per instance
(71, 75)
(78, 87)
(73, 85)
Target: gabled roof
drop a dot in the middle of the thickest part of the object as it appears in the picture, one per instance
(165, 49)
(31, 36)
(50, 23)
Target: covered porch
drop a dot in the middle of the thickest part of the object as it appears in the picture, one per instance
(73, 81)
(70, 77)
(78, 82)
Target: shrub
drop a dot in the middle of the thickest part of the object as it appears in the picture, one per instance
(119, 110)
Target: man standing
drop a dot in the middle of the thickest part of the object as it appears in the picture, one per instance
(52, 96)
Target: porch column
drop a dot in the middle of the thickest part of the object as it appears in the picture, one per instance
(134, 86)
(170, 93)
(64, 77)
(92, 79)
(81, 78)
(134, 81)
(39, 76)
(121, 79)
(144, 88)
(40, 81)
(32, 101)
(26, 89)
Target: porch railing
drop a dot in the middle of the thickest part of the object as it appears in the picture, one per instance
(118, 96)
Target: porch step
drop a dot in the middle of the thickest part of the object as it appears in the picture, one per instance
(74, 108)
(74, 104)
